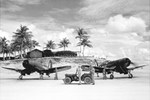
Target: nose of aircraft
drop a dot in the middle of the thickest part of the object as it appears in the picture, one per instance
(25, 63)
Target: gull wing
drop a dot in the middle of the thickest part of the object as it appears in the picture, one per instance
(13, 69)
(132, 68)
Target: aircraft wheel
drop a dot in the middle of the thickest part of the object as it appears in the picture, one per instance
(87, 80)
(41, 76)
(111, 76)
(67, 80)
(130, 76)
(20, 77)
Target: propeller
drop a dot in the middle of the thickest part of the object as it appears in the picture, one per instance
(96, 62)
(133, 63)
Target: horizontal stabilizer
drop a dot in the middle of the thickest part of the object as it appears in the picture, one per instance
(63, 68)
(58, 69)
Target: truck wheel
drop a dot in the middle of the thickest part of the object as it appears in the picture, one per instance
(67, 80)
(87, 80)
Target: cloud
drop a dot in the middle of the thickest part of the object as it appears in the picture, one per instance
(120, 24)
(24, 2)
(5, 34)
(58, 11)
(42, 36)
(146, 36)
(133, 27)
(103, 9)
(16, 5)
(10, 8)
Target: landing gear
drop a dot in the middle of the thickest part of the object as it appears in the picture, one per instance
(20, 77)
(56, 76)
(111, 76)
(48, 74)
(104, 74)
(41, 76)
(97, 74)
(129, 74)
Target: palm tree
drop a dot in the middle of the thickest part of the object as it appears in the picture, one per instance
(35, 43)
(3, 45)
(8, 50)
(22, 36)
(64, 43)
(50, 45)
(15, 46)
(31, 44)
(84, 43)
(81, 34)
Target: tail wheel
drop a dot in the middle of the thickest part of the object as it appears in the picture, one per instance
(130, 76)
(87, 80)
(67, 80)
(111, 76)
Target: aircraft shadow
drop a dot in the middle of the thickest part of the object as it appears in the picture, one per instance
(76, 84)
(101, 78)
(27, 79)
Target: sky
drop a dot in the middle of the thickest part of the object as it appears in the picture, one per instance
(117, 28)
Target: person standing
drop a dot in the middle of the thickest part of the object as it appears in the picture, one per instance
(78, 72)
(92, 71)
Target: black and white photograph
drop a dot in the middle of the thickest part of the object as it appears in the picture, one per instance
(74, 49)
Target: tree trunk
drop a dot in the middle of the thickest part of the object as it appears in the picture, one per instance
(6, 56)
(3, 56)
(9, 55)
(83, 50)
(80, 47)
(64, 48)
(14, 53)
(21, 54)
(21, 50)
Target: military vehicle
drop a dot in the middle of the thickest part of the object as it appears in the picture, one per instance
(69, 78)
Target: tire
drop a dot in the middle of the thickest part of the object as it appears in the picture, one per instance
(67, 80)
(111, 76)
(87, 80)
(20, 77)
(130, 76)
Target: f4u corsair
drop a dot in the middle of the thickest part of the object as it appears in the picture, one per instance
(109, 67)
(32, 66)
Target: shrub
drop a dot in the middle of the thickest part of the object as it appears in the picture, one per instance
(66, 53)
(48, 53)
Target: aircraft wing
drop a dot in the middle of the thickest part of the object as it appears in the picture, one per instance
(58, 69)
(141, 66)
(13, 69)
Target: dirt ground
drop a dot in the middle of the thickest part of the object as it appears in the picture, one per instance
(32, 88)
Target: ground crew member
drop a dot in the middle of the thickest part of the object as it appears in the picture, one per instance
(104, 73)
(92, 71)
(78, 72)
